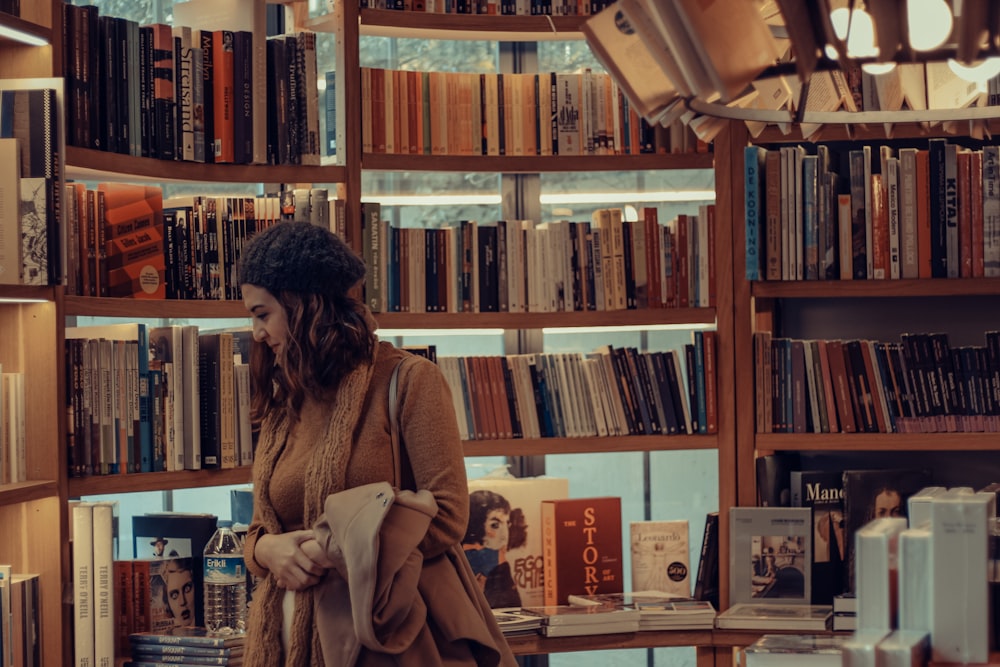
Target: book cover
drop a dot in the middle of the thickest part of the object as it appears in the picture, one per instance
(770, 553)
(659, 556)
(870, 494)
(167, 593)
(706, 582)
(582, 547)
(823, 492)
(504, 540)
(756, 616)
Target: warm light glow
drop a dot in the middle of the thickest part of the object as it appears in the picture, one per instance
(627, 197)
(861, 40)
(14, 299)
(929, 23)
(979, 73)
(386, 333)
(630, 327)
(20, 36)
(553, 199)
(878, 68)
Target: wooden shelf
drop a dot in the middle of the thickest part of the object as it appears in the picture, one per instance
(133, 308)
(93, 165)
(537, 644)
(21, 492)
(26, 293)
(513, 164)
(156, 481)
(860, 442)
(423, 25)
(871, 132)
(18, 25)
(801, 289)
(589, 445)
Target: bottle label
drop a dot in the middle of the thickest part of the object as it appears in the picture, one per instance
(224, 570)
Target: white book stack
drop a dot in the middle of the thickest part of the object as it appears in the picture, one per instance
(960, 620)
(876, 545)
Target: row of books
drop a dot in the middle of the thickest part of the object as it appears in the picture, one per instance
(125, 241)
(606, 263)
(13, 443)
(612, 391)
(146, 399)
(30, 183)
(211, 88)
(466, 113)
(492, 7)
(920, 385)
(20, 619)
(911, 213)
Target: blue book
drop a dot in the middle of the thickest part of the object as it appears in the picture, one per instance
(753, 173)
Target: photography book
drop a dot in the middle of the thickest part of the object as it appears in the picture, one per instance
(770, 555)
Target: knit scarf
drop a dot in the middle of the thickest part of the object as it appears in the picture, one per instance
(326, 474)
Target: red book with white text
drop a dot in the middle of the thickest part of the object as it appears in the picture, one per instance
(582, 547)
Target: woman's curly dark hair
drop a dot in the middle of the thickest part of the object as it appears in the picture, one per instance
(329, 336)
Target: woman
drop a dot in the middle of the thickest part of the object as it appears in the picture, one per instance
(321, 381)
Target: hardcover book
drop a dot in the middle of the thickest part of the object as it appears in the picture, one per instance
(770, 555)
(823, 492)
(504, 540)
(569, 620)
(582, 547)
(660, 557)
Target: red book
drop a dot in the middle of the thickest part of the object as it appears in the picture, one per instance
(581, 547)
(654, 286)
(975, 194)
(223, 104)
(965, 205)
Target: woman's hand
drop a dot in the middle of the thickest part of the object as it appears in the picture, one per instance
(293, 566)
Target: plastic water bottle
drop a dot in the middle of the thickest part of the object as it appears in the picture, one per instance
(225, 582)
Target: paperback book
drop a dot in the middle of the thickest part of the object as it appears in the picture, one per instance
(569, 620)
(794, 651)
(659, 556)
(770, 555)
(658, 610)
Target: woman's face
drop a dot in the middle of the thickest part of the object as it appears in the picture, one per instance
(497, 529)
(270, 324)
(888, 503)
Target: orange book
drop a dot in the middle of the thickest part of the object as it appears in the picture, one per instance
(414, 112)
(582, 551)
(500, 404)
(923, 215)
(880, 229)
(653, 256)
(223, 102)
(124, 606)
(378, 109)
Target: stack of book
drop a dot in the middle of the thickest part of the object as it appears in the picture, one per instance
(176, 646)
(658, 610)
(797, 650)
(845, 612)
(513, 621)
(571, 620)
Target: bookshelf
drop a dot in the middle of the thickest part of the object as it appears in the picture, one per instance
(32, 322)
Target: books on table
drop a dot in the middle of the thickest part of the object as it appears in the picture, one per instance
(794, 651)
(571, 620)
(658, 610)
(755, 616)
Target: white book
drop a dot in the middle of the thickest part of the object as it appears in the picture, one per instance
(903, 648)
(244, 429)
(82, 522)
(915, 586)
(918, 505)
(891, 184)
(105, 620)
(876, 549)
(991, 210)
(960, 622)
(859, 649)
(908, 212)
(10, 215)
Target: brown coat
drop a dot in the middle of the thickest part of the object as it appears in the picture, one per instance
(383, 601)
(355, 452)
